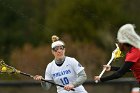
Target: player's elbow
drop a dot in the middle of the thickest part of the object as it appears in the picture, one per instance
(84, 78)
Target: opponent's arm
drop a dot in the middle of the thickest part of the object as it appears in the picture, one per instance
(113, 68)
(119, 73)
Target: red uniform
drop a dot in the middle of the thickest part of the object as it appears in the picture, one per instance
(134, 56)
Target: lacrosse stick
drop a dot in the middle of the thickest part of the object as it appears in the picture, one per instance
(4, 68)
(115, 54)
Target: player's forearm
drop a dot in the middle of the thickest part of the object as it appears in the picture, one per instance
(111, 77)
(114, 68)
(46, 85)
(125, 68)
(81, 78)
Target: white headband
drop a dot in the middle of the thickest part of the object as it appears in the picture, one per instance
(57, 43)
(127, 34)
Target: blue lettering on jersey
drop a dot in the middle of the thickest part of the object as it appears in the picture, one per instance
(61, 73)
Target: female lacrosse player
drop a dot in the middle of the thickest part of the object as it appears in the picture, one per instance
(129, 42)
(63, 70)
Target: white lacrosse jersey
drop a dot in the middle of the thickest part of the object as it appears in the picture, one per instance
(65, 74)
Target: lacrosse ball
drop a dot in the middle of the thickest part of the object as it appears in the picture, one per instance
(4, 69)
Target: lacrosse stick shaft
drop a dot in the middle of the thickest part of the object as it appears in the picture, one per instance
(29, 75)
(105, 68)
(13, 70)
(112, 58)
(25, 74)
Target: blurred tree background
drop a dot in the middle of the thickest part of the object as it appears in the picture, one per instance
(88, 27)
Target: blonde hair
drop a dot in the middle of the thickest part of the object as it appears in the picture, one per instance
(55, 38)
(56, 41)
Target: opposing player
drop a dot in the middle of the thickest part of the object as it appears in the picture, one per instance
(129, 42)
(63, 70)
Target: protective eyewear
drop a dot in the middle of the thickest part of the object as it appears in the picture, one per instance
(55, 49)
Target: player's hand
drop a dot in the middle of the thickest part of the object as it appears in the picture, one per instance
(38, 77)
(69, 87)
(107, 67)
(96, 78)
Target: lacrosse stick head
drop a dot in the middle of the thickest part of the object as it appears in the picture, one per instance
(4, 68)
(127, 34)
(116, 53)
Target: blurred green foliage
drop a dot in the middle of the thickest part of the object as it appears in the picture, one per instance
(93, 22)
(34, 21)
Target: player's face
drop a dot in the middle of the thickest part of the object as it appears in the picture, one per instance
(58, 52)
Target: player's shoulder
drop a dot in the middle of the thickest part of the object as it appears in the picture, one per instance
(135, 50)
(51, 63)
(70, 58)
